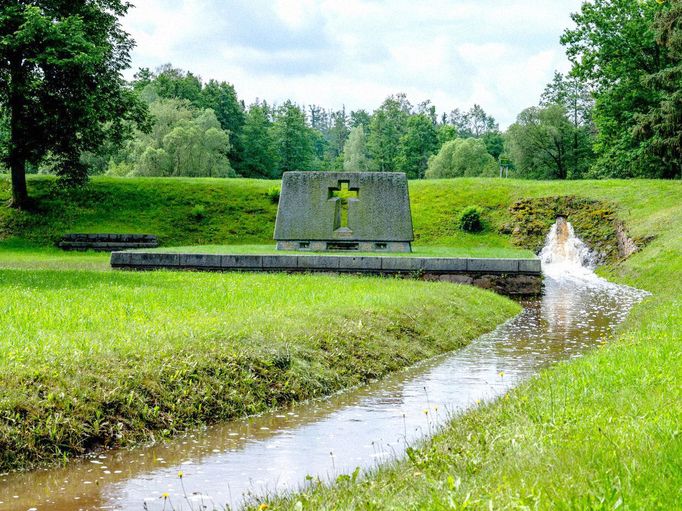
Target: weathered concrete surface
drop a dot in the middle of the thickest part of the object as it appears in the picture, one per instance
(107, 242)
(512, 277)
(311, 212)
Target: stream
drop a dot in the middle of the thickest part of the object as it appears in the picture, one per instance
(364, 427)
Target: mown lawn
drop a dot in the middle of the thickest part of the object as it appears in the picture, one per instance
(93, 358)
(600, 432)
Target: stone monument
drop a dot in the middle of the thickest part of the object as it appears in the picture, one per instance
(363, 211)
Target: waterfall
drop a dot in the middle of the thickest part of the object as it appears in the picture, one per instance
(564, 248)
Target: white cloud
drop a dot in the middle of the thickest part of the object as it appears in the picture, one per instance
(498, 53)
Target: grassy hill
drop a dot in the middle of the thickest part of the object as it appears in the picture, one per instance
(182, 211)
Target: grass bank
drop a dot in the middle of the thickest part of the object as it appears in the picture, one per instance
(600, 432)
(185, 212)
(93, 359)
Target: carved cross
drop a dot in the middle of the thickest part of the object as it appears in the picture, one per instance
(343, 196)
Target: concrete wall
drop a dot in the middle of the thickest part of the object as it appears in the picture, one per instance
(511, 277)
(381, 211)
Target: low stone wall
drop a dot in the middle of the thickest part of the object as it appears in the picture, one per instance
(511, 277)
(107, 242)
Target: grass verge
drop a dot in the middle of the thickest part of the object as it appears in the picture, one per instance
(94, 359)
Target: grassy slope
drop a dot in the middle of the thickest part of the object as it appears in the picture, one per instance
(601, 432)
(92, 358)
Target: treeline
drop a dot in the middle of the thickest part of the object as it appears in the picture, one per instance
(204, 129)
(618, 113)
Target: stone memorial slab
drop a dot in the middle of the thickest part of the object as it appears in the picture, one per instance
(361, 211)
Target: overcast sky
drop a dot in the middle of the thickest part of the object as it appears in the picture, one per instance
(498, 53)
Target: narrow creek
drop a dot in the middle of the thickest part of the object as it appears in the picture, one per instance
(361, 428)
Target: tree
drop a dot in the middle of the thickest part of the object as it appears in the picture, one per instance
(474, 123)
(576, 98)
(61, 84)
(613, 48)
(540, 143)
(661, 127)
(417, 145)
(184, 142)
(355, 157)
(462, 157)
(170, 82)
(360, 118)
(445, 132)
(293, 139)
(337, 135)
(388, 124)
(260, 153)
(494, 143)
(221, 97)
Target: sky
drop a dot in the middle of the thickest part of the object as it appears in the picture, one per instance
(355, 53)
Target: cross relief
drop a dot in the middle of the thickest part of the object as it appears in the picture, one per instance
(343, 196)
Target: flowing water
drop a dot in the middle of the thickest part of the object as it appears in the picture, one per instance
(360, 428)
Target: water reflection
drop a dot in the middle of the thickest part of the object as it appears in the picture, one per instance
(277, 451)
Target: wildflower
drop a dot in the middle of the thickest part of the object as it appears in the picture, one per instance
(501, 374)
(263, 507)
(426, 412)
(180, 474)
(165, 495)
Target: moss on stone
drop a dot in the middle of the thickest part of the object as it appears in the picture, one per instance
(594, 221)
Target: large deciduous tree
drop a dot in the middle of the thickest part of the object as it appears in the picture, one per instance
(474, 123)
(613, 47)
(388, 124)
(61, 83)
(540, 143)
(575, 97)
(417, 145)
(462, 157)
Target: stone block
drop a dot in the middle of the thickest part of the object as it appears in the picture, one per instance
(492, 265)
(277, 262)
(150, 259)
(401, 264)
(310, 208)
(119, 259)
(241, 262)
(313, 262)
(533, 266)
(359, 263)
(444, 264)
(200, 261)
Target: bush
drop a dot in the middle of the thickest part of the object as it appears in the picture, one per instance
(470, 219)
(273, 194)
(198, 212)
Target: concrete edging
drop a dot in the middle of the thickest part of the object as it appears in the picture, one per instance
(324, 263)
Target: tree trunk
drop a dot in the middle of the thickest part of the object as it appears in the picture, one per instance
(17, 155)
(19, 191)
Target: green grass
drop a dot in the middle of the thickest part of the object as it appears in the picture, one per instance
(91, 359)
(91, 355)
(600, 432)
(239, 211)
(18, 254)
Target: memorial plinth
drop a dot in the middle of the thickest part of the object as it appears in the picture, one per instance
(349, 211)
